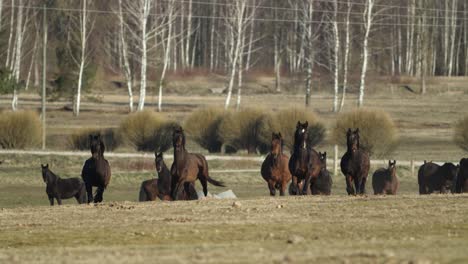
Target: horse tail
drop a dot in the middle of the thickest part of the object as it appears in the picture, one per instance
(143, 196)
(215, 182)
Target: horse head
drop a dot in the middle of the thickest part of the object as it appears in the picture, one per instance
(392, 167)
(352, 139)
(159, 161)
(276, 143)
(45, 170)
(96, 145)
(323, 160)
(178, 138)
(300, 136)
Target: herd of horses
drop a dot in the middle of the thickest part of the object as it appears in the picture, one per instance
(305, 172)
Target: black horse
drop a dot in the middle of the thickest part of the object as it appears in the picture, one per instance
(324, 181)
(153, 189)
(96, 170)
(304, 163)
(432, 177)
(58, 188)
(355, 164)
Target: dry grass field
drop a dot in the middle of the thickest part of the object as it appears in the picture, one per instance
(406, 228)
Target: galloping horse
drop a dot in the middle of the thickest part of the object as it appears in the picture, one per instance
(275, 169)
(188, 167)
(355, 164)
(96, 170)
(304, 164)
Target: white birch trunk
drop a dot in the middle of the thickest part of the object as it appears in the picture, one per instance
(409, 38)
(10, 36)
(144, 56)
(18, 52)
(166, 54)
(346, 55)
(453, 28)
(365, 51)
(189, 34)
(336, 56)
(126, 64)
(83, 39)
(212, 31)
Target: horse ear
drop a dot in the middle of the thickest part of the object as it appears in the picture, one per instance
(394, 162)
(160, 154)
(325, 153)
(279, 135)
(357, 130)
(306, 124)
(47, 165)
(348, 132)
(298, 124)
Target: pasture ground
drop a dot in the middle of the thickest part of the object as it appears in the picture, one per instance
(406, 228)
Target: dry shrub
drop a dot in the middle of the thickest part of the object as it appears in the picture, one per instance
(240, 130)
(147, 131)
(460, 135)
(202, 125)
(378, 133)
(19, 130)
(79, 140)
(285, 121)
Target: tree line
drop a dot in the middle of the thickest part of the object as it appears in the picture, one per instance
(142, 40)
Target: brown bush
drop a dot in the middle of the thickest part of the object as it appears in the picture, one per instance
(285, 121)
(147, 131)
(79, 140)
(19, 130)
(202, 125)
(378, 133)
(240, 130)
(460, 135)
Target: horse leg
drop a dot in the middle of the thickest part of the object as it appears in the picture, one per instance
(357, 185)
(204, 185)
(271, 186)
(363, 185)
(89, 191)
(283, 188)
(59, 200)
(306, 185)
(99, 195)
(51, 200)
(349, 186)
(294, 188)
(313, 182)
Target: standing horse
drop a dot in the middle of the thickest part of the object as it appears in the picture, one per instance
(461, 184)
(432, 177)
(96, 170)
(275, 169)
(188, 167)
(304, 164)
(59, 188)
(355, 164)
(160, 188)
(385, 181)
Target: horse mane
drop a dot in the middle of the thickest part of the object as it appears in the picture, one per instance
(51, 173)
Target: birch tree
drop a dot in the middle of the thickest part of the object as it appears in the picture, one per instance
(367, 18)
(167, 49)
(235, 24)
(125, 57)
(18, 53)
(336, 35)
(85, 25)
(346, 53)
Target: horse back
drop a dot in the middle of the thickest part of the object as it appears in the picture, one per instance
(68, 188)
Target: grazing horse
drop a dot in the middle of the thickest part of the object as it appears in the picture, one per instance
(59, 188)
(304, 163)
(188, 167)
(385, 181)
(461, 185)
(96, 170)
(275, 169)
(355, 164)
(324, 181)
(160, 188)
(432, 177)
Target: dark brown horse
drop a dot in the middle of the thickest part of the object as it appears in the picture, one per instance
(58, 188)
(96, 170)
(432, 177)
(324, 181)
(461, 185)
(385, 181)
(153, 189)
(355, 164)
(188, 167)
(304, 163)
(275, 169)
